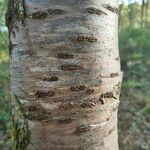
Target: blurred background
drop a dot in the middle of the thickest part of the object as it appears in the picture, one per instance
(134, 42)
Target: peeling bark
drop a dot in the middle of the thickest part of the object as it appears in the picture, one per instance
(65, 73)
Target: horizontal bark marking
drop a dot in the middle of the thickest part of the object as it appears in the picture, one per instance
(41, 94)
(64, 56)
(88, 104)
(90, 91)
(86, 128)
(39, 117)
(82, 129)
(114, 74)
(56, 11)
(111, 8)
(90, 39)
(71, 67)
(44, 14)
(108, 95)
(78, 88)
(65, 121)
(52, 78)
(93, 10)
(39, 15)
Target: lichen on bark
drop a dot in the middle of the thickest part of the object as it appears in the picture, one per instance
(20, 134)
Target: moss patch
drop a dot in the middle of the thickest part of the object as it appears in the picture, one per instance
(20, 134)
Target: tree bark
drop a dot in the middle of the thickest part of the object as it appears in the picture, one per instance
(65, 74)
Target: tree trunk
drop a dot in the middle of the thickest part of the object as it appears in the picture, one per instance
(142, 13)
(146, 14)
(65, 74)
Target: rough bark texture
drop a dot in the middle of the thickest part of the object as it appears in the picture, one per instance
(65, 74)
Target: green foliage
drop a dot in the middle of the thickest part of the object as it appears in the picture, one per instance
(3, 5)
(135, 54)
(4, 90)
(4, 81)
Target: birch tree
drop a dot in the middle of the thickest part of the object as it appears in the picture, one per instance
(65, 74)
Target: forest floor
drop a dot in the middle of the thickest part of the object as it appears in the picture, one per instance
(134, 121)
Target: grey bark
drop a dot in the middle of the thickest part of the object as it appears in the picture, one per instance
(65, 73)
